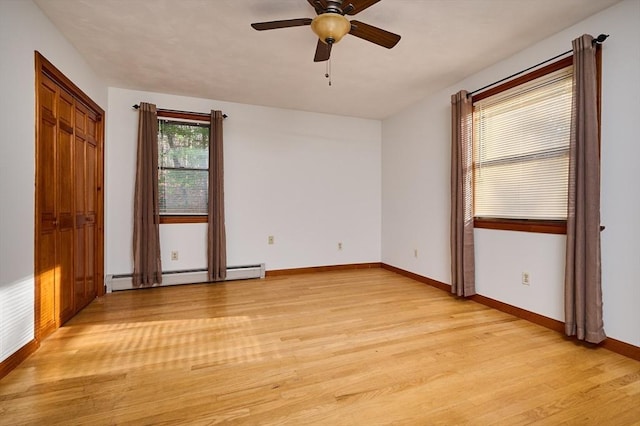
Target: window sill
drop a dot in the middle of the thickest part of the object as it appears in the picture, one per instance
(172, 219)
(523, 225)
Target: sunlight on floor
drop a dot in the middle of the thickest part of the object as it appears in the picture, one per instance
(182, 344)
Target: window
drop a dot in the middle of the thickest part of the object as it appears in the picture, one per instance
(183, 169)
(521, 151)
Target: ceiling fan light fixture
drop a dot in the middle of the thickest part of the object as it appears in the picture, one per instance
(330, 27)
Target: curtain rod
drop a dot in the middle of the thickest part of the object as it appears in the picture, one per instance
(136, 106)
(598, 40)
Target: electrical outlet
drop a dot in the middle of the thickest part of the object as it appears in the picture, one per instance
(270, 240)
(526, 278)
(174, 255)
(339, 246)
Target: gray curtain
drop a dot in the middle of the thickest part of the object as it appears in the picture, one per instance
(462, 247)
(216, 239)
(583, 291)
(147, 266)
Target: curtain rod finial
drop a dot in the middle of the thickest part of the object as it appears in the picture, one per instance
(136, 106)
(601, 38)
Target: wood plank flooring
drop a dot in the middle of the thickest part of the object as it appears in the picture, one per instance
(363, 347)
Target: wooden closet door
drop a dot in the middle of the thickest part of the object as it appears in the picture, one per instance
(46, 269)
(69, 205)
(92, 281)
(85, 205)
(54, 265)
(65, 207)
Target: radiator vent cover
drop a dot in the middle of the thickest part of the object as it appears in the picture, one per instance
(119, 282)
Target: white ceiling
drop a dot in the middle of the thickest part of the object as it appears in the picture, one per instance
(207, 49)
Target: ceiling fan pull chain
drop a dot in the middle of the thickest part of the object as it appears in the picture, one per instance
(328, 73)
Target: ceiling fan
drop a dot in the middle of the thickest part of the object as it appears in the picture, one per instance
(330, 25)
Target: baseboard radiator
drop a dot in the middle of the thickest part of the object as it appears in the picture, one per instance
(190, 276)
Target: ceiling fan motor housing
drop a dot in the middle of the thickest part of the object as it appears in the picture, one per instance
(330, 27)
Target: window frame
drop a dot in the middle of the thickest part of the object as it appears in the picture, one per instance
(174, 218)
(533, 225)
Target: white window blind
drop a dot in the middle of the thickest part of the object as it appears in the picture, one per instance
(521, 150)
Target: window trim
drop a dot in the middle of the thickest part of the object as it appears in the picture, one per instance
(534, 225)
(522, 225)
(548, 69)
(191, 218)
(174, 218)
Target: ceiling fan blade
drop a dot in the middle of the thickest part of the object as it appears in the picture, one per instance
(359, 5)
(323, 52)
(374, 34)
(272, 25)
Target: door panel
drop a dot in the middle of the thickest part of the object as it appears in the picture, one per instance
(65, 251)
(46, 219)
(86, 194)
(90, 274)
(65, 206)
(80, 240)
(90, 229)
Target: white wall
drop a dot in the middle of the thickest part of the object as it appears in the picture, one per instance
(23, 29)
(416, 183)
(310, 180)
(415, 189)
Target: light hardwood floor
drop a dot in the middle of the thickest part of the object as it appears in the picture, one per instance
(363, 347)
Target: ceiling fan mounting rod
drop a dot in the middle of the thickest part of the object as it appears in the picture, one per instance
(335, 6)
